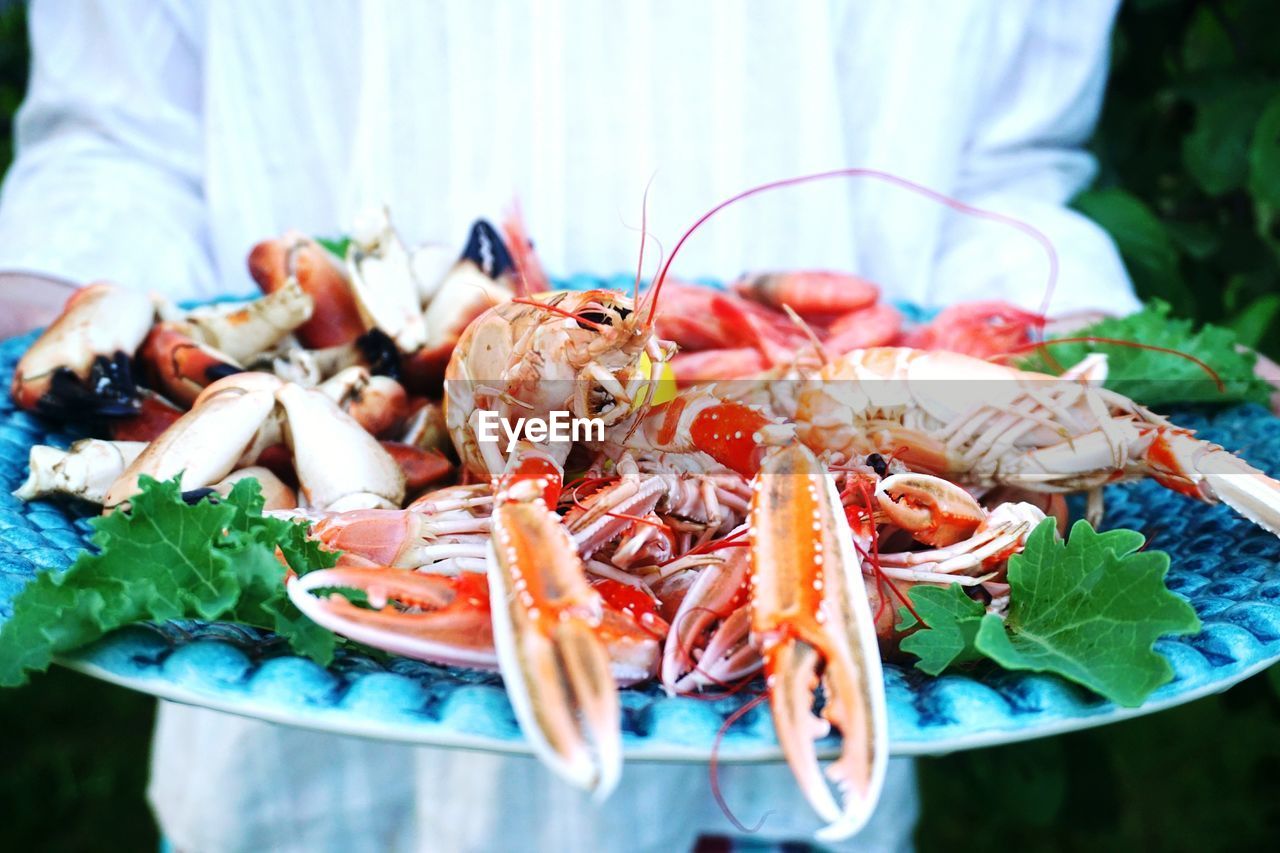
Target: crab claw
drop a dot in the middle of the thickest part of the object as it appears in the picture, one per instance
(81, 362)
(202, 446)
(335, 319)
(933, 510)
(436, 618)
(246, 330)
(1002, 534)
(714, 619)
(383, 282)
(556, 666)
(812, 621)
(181, 366)
(85, 470)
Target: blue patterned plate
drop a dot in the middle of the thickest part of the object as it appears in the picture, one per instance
(1227, 567)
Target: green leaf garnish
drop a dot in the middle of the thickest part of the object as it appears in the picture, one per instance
(1157, 378)
(166, 559)
(952, 619)
(335, 245)
(1089, 609)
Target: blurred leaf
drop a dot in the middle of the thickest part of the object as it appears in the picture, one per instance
(1207, 45)
(1264, 156)
(1240, 290)
(1197, 239)
(1157, 378)
(1256, 29)
(1252, 323)
(1216, 152)
(336, 246)
(1143, 240)
(1138, 233)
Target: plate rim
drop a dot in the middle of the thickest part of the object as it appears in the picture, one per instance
(332, 721)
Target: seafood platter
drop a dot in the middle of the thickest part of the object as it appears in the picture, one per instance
(433, 496)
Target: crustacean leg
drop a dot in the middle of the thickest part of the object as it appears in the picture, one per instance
(204, 445)
(390, 290)
(1171, 456)
(184, 356)
(562, 643)
(444, 532)
(383, 282)
(553, 660)
(155, 415)
(485, 266)
(983, 424)
(181, 366)
(479, 279)
(276, 494)
(709, 643)
(378, 403)
(340, 466)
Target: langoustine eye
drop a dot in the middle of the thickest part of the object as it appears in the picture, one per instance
(602, 316)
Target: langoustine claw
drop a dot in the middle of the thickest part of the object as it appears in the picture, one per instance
(812, 621)
(545, 622)
(438, 618)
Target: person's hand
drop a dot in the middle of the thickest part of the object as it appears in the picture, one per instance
(1265, 368)
(28, 300)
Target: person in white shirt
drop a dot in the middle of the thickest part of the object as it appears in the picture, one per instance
(160, 139)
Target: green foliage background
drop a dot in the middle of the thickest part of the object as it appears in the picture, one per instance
(1189, 147)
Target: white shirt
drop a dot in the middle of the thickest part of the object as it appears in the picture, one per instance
(160, 139)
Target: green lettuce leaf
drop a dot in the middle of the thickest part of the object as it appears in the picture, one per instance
(1156, 378)
(952, 619)
(1089, 609)
(166, 559)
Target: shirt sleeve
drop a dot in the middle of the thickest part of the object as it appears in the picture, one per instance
(1025, 160)
(107, 181)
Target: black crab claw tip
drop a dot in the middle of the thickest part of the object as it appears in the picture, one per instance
(108, 392)
(381, 353)
(221, 371)
(486, 250)
(194, 496)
